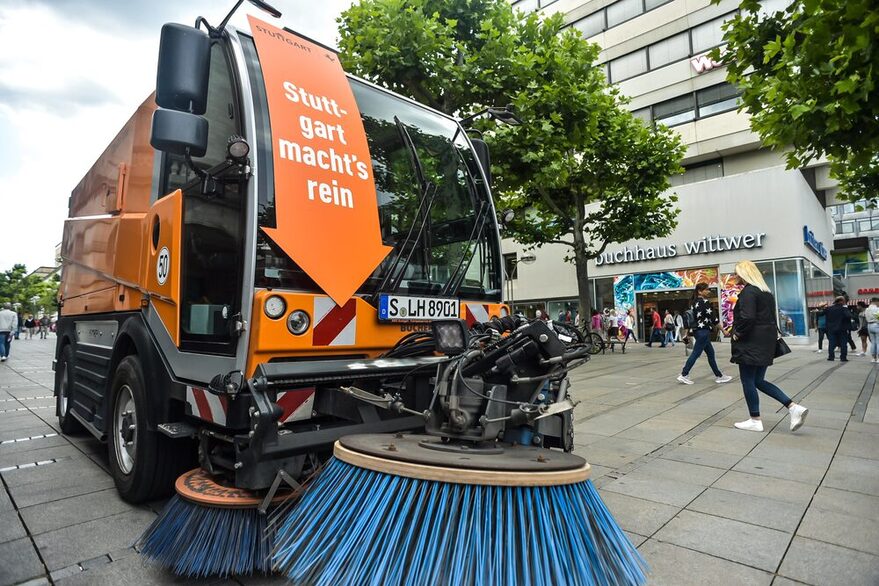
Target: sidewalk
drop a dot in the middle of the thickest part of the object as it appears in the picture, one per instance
(704, 502)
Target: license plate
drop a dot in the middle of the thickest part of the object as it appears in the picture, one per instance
(404, 308)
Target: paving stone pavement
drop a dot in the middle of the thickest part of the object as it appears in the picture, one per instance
(704, 502)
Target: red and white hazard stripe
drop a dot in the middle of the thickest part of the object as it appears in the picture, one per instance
(207, 406)
(475, 312)
(297, 405)
(334, 325)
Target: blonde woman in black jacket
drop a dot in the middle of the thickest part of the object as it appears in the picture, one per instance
(754, 335)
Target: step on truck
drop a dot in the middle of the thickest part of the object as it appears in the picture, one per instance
(263, 232)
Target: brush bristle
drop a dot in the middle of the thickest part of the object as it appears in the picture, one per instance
(198, 541)
(357, 526)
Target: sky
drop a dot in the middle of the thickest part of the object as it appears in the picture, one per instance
(71, 74)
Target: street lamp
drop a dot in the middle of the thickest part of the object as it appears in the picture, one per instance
(526, 258)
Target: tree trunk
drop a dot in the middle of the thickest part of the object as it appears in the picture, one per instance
(584, 293)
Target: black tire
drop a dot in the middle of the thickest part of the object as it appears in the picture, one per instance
(595, 342)
(154, 460)
(572, 336)
(64, 393)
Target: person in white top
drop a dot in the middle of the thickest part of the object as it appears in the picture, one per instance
(8, 325)
(629, 322)
(871, 315)
(679, 325)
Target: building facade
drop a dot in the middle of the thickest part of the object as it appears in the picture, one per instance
(736, 198)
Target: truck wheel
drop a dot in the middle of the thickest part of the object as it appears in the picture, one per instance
(64, 393)
(144, 463)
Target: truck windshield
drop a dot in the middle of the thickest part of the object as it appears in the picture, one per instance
(458, 234)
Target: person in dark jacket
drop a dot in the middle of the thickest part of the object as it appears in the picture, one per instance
(839, 321)
(706, 320)
(754, 335)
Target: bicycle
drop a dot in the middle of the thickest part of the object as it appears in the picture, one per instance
(574, 336)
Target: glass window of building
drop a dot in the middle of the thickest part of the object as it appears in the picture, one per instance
(564, 310)
(845, 228)
(719, 98)
(868, 224)
(623, 10)
(591, 25)
(604, 298)
(526, 5)
(675, 111)
(708, 35)
(643, 114)
(699, 172)
(651, 4)
(790, 297)
(628, 66)
(669, 50)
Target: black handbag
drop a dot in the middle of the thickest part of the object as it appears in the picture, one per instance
(781, 347)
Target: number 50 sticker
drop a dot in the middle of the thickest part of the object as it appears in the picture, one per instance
(163, 265)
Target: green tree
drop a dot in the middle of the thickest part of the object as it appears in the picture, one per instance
(582, 171)
(809, 80)
(17, 287)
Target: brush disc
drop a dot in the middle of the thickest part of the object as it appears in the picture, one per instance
(197, 486)
(415, 456)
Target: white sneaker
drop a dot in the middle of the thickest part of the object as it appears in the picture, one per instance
(797, 416)
(750, 425)
(859, 354)
(684, 379)
(819, 351)
(2, 359)
(724, 378)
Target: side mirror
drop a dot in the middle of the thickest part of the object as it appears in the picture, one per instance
(179, 132)
(484, 157)
(184, 66)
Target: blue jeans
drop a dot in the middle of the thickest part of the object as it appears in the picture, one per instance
(754, 379)
(670, 337)
(835, 339)
(5, 342)
(873, 331)
(702, 343)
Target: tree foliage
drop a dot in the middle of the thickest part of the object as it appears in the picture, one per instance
(809, 79)
(17, 287)
(581, 171)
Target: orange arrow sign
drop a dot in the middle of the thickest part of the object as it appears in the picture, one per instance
(325, 202)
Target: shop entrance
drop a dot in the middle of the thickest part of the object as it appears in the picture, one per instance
(672, 300)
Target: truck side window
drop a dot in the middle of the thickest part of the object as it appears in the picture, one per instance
(222, 123)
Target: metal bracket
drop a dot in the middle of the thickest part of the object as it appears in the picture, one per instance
(273, 490)
(177, 429)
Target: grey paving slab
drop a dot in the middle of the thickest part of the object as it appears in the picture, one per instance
(635, 539)
(38, 492)
(660, 490)
(757, 510)
(797, 455)
(130, 570)
(638, 515)
(681, 471)
(11, 527)
(702, 457)
(780, 581)
(57, 453)
(34, 430)
(744, 543)
(19, 562)
(848, 531)
(5, 502)
(765, 486)
(847, 502)
(615, 452)
(34, 444)
(824, 564)
(71, 511)
(859, 445)
(671, 565)
(857, 474)
(63, 547)
(781, 468)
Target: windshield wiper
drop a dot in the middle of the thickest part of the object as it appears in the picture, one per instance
(425, 204)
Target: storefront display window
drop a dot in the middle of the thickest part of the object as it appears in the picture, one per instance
(790, 297)
(604, 298)
(559, 310)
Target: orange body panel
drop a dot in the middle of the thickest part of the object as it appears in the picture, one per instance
(357, 331)
(104, 235)
(162, 258)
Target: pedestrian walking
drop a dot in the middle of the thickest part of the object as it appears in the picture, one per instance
(30, 324)
(679, 326)
(871, 316)
(705, 320)
(629, 322)
(656, 331)
(755, 335)
(8, 325)
(668, 323)
(44, 327)
(863, 334)
(821, 323)
(839, 320)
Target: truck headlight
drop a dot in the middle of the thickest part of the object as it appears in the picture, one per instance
(298, 322)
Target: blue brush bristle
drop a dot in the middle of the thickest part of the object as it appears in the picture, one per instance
(198, 541)
(357, 526)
